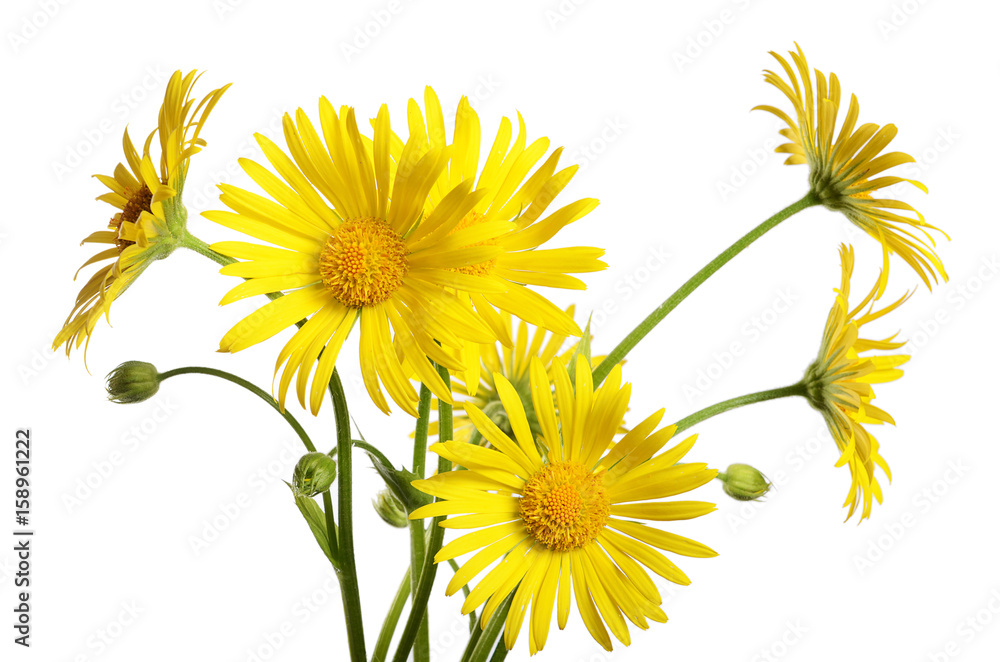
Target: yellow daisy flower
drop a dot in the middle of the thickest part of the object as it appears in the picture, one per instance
(839, 384)
(564, 524)
(345, 251)
(846, 171)
(515, 200)
(151, 217)
(513, 363)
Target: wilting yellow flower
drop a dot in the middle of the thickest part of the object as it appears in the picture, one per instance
(151, 218)
(846, 171)
(517, 202)
(839, 386)
(563, 520)
(346, 251)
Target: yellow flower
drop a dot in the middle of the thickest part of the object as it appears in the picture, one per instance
(346, 251)
(846, 171)
(513, 363)
(564, 524)
(513, 201)
(839, 386)
(151, 217)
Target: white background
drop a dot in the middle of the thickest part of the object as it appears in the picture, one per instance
(659, 142)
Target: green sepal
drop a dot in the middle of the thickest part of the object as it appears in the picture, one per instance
(316, 520)
(398, 481)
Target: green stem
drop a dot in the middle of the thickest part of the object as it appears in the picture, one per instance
(392, 619)
(256, 390)
(655, 317)
(477, 634)
(422, 644)
(331, 526)
(368, 448)
(348, 572)
(195, 244)
(445, 421)
(499, 653)
(491, 632)
(420, 433)
(718, 408)
(428, 570)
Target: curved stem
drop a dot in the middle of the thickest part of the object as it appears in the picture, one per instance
(428, 570)
(348, 572)
(392, 619)
(655, 317)
(733, 403)
(195, 244)
(256, 390)
(368, 448)
(421, 645)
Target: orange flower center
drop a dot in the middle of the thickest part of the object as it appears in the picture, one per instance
(564, 506)
(364, 262)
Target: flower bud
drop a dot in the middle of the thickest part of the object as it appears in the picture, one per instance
(132, 381)
(314, 474)
(743, 482)
(390, 509)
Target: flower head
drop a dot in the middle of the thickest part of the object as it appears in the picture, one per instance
(513, 364)
(150, 217)
(346, 252)
(132, 381)
(839, 384)
(388, 233)
(390, 509)
(516, 203)
(744, 483)
(847, 169)
(314, 474)
(562, 521)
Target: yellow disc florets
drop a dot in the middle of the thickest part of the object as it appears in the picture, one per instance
(364, 262)
(564, 506)
(471, 219)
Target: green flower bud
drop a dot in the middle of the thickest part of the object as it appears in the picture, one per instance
(132, 381)
(390, 509)
(314, 474)
(744, 483)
